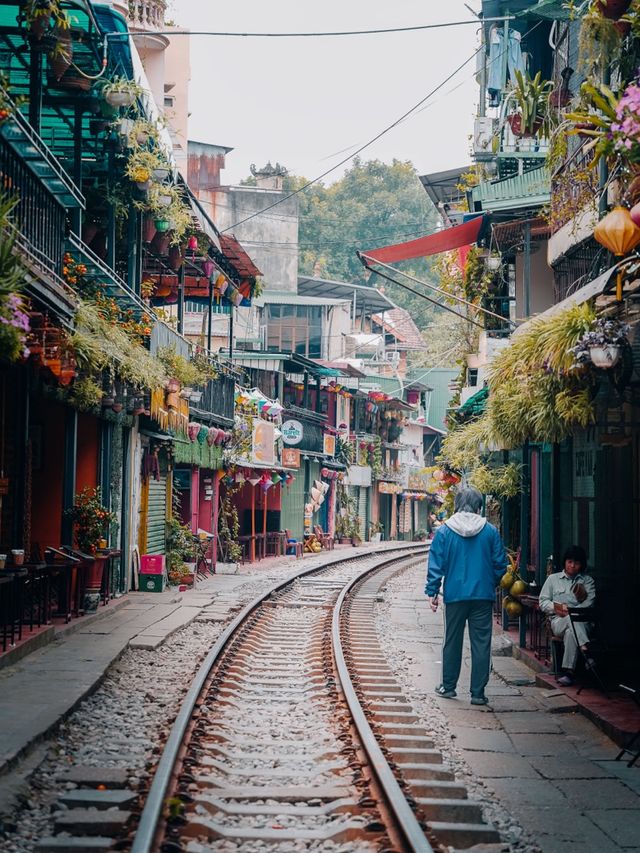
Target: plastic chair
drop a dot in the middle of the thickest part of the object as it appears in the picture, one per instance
(293, 546)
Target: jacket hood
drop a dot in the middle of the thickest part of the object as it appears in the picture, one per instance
(466, 524)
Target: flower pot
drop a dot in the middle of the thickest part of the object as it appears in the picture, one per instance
(605, 356)
(89, 231)
(515, 123)
(160, 174)
(176, 258)
(93, 572)
(60, 62)
(164, 200)
(39, 26)
(160, 242)
(623, 27)
(162, 225)
(143, 186)
(148, 230)
(613, 9)
(125, 126)
(120, 99)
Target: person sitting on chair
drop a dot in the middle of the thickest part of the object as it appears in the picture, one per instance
(563, 590)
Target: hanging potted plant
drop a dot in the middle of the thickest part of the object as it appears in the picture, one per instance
(38, 15)
(613, 9)
(531, 96)
(602, 346)
(61, 53)
(120, 92)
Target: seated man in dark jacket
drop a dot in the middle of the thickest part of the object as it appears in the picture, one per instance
(468, 554)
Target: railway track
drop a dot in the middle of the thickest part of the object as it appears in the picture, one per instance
(295, 735)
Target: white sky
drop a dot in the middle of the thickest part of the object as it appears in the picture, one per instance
(301, 102)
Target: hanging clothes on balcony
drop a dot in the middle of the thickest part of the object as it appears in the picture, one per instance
(496, 82)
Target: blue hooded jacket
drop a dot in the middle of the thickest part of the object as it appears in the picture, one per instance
(468, 553)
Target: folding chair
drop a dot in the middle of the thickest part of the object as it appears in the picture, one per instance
(585, 614)
(632, 746)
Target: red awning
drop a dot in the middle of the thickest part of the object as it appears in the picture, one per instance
(432, 244)
(233, 252)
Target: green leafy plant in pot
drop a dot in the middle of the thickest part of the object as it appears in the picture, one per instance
(531, 95)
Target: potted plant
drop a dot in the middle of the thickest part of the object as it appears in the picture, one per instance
(613, 9)
(38, 15)
(91, 521)
(121, 92)
(602, 346)
(375, 531)
(532, 100)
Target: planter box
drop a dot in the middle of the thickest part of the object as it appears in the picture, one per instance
(152, 583)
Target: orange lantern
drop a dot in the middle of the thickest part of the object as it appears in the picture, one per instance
(618, 233)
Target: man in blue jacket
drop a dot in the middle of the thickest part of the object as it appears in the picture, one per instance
(468, 553)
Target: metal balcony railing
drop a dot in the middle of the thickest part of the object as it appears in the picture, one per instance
(574, 187)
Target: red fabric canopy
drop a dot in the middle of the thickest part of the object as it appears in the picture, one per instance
(432, 244)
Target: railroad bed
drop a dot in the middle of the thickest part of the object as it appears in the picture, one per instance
(295, 736)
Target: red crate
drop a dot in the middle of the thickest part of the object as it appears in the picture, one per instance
(152, 564)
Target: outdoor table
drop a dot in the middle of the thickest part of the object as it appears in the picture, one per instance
(67, 571)
(37, 594)
(245, 543)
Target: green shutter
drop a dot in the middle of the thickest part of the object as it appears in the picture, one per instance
(292, 513)
(157, 515)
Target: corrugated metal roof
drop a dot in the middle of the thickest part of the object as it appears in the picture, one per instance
(439, 379)
(367, 298)
(273, 297)
(531, 189)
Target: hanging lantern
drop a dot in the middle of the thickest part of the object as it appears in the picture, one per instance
(254, 480)
(211, 436)
(618, 233)
(193, 242)
(208, 268)
(275, 478)
(192, 430)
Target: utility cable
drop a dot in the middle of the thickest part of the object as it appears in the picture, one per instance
(439, 290)
(416, 28)
(361, 148)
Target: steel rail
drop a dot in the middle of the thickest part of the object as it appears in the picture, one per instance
(407, 822)
(152, 811)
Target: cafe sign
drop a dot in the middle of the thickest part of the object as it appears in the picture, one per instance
(292, 432)
(290, 457)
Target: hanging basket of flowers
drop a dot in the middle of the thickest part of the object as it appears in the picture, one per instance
(602, 346)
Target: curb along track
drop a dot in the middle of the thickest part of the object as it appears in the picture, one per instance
(294, 734)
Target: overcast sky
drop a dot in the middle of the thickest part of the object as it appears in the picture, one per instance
(308, 103)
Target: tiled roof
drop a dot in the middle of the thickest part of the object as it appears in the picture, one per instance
(399, 322)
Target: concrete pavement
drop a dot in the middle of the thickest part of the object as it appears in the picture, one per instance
(537, 762)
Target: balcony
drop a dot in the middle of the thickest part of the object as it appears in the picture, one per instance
(217, 402)
(574, 208)
(531, 189)
(99, 273)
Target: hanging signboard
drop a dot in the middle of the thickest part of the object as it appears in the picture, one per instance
(329, 445)
(290, 457)
(389, 488)
(342, 414)
(292, 432)
(263, 443)
(359, 475)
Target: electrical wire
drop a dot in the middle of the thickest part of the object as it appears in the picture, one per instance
(319, 34)
(361, 148)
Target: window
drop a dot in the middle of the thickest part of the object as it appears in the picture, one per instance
(169, 100)
(295, 328)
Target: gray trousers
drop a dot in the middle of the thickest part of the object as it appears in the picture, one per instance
(561, 627)
(479, 617)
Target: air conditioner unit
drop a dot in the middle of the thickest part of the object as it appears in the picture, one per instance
(483, 133)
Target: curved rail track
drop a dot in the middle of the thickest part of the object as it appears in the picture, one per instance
(295, 735)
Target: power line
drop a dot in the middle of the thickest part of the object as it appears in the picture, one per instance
(332, 33)
(362, 147)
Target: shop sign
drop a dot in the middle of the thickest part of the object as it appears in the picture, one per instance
(290, 457)
(329, 446)
(342, 414)
(419, 482)
(263, 442)
(359, 475)
(389, 488)
(292, 432)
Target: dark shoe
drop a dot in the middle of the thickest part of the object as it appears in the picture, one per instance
(446, 694)
(479, 700)
(565, 680)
